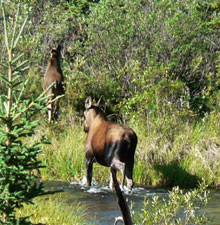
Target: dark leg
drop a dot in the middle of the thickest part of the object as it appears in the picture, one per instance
(129, 174)
(56, 109)
(89, 167)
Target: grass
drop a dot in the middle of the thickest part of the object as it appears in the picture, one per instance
(64, 157)
(52, 210)
(180, 156)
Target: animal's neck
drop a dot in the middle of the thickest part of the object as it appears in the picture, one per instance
(101, 117)
(55, 62)
(97, 122)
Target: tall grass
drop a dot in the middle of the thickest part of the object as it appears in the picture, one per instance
(181, 207)
(166, 155)
(179, 155)
(64, 157)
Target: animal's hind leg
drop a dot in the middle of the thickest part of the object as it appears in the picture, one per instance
(129, 174)
(50, 110)
(118, 165)
(89, 168)
(56, 109)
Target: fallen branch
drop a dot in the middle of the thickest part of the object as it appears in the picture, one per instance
(126, 216)
(118, 219)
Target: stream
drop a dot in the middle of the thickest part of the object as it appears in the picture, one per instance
(101, 204)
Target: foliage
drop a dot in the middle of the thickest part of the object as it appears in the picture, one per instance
(16, 112)
(180, 208)
(155, 59)
(64, 158)
(180, 155)
(156, 66)
(153, 53)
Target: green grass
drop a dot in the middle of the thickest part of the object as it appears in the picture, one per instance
(52, 210)
(181, 155)
(64, 157)
(178, 155)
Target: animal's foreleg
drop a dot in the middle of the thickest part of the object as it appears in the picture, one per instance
(89, 167)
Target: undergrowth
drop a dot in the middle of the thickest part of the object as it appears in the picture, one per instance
(191, 154)
(180, 208)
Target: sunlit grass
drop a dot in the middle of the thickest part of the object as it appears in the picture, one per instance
(188, 152)
(64, 157)
(52, 210)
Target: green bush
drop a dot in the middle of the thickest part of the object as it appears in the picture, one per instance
(156, 50)
(180, 208)
(17, 158)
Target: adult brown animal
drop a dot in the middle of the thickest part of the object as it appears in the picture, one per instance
(110, 144)
(54, 74)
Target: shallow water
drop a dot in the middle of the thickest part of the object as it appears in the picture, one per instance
(101, 203)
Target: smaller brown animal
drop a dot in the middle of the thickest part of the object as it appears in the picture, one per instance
(110, 144)
(54, 74)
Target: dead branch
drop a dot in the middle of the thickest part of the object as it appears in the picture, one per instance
(126, 216)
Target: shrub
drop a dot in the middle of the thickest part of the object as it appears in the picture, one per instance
(17, 158)
(181, 208)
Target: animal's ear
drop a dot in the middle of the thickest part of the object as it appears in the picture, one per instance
(58, 48)
(97, 104)
(50, 48)
(88, 103)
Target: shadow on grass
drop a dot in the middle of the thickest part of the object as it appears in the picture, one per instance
(174, 175)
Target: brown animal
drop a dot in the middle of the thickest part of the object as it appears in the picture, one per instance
(54, 74)
(110, 144)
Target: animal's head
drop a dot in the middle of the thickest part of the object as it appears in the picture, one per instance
(90, 113)
(55, 53)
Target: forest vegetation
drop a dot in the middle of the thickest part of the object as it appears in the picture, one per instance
(156, 66)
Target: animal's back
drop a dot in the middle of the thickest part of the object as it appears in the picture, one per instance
(54, 75)
(96, 140)
(110, 137)
(117, 132)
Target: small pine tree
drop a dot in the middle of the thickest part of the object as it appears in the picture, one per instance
(17, 158)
